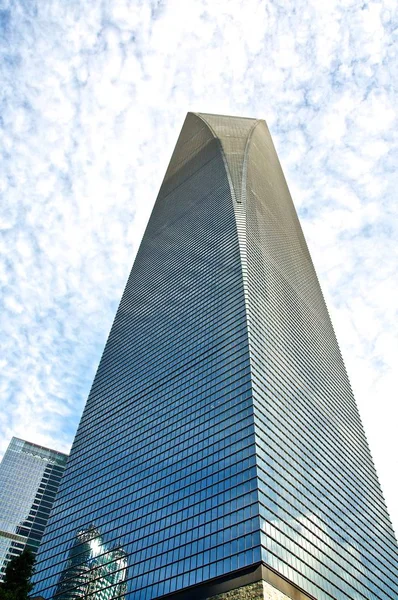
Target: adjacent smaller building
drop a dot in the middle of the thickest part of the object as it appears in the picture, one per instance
(29, 480)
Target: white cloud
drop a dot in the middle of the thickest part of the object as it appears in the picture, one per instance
(94, 96)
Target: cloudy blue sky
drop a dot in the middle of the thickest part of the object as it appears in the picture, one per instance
(93, 95)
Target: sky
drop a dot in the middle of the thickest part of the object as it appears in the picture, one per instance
(93, 96)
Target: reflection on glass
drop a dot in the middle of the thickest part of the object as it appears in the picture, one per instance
(93, 570)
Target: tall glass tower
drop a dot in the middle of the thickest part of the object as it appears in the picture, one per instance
(29, 480)
(221, 450)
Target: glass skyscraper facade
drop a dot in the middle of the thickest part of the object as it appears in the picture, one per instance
(220, 448)
(29, 480)
(93, 569)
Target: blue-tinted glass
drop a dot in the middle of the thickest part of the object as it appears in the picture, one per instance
(221, 430)
(29, 479)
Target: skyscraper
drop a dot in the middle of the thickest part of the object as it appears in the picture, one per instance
(29, 479)
(221, 447)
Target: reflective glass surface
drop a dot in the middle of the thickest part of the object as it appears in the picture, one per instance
(221, 430)
(163, 464)
(324, 525)
(29, 480)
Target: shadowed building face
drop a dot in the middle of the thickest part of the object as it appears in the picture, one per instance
(221, 449)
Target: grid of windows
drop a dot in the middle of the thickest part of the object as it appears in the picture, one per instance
(29, 479)
(323, 520)
(163, 463)
(221, 430)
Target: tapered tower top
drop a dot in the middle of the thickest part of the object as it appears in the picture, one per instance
(221, 448)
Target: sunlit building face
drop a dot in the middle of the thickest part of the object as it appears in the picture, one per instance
(29, 480)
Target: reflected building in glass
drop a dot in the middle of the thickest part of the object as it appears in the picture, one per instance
(29, 480)
(221, 446)
(93, 570)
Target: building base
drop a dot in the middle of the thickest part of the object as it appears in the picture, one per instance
(253, 591)
(255, 583)
(260, 590)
